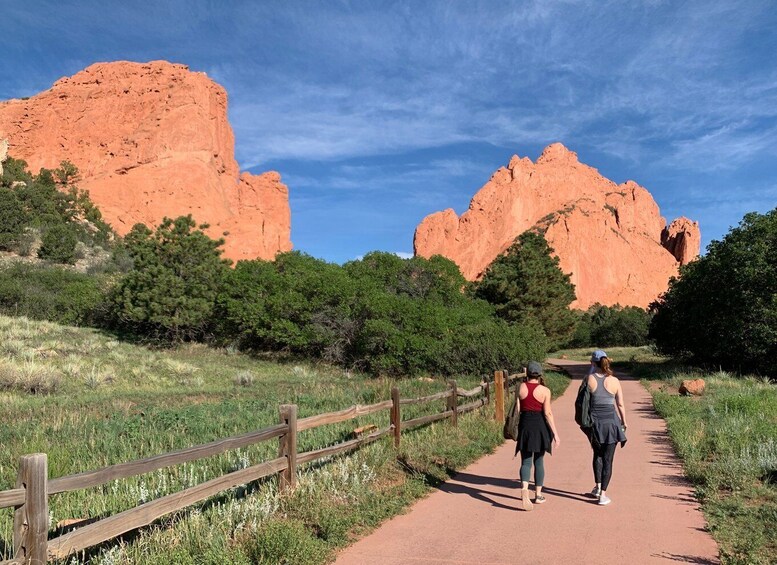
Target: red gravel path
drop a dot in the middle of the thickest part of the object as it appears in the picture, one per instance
(476, 517)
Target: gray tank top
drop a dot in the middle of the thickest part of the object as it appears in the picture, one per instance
(601, 397)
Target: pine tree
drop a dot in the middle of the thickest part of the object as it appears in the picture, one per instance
(171, 291)
(526, 283)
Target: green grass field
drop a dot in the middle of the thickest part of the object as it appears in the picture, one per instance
(88, 400)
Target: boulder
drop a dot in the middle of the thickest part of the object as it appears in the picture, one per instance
(693, 387)
(610, 237)
(152, 140)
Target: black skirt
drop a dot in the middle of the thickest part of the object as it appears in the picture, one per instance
(534, 433)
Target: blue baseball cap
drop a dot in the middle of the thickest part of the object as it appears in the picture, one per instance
(598, 355)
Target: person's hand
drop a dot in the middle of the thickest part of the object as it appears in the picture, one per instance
(557, 441)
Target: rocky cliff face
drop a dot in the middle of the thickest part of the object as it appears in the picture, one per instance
(152, 140)
(610, 237)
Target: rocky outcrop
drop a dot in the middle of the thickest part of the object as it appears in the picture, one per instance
(682, 239)
(152, 140)
(3, 153)
(608, 236)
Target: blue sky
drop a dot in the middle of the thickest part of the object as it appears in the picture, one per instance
(379, 113)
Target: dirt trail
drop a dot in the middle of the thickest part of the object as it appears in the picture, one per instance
(476, 517)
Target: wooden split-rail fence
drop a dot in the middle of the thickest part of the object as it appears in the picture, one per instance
(30, 498)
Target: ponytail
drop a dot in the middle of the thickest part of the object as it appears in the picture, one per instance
(606, 366)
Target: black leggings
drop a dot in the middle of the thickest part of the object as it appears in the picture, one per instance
(603, 456)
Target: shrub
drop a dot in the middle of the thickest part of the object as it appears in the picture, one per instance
(59, 244)
(382, 314)
(51, 293)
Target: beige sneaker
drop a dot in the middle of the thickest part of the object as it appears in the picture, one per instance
(525, 501)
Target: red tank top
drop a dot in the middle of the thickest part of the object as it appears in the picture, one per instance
(531, 404)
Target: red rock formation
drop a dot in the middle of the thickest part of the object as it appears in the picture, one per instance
(608, 236)
(152, 140)
(683, 239)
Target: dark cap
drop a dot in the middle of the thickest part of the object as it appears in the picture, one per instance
(533, 368)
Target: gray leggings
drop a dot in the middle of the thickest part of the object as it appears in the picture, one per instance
(539, 466)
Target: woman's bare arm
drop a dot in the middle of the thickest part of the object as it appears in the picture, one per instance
(546, 409)
(619, 404)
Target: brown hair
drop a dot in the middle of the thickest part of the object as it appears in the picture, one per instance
(605, 365)
(529, 376)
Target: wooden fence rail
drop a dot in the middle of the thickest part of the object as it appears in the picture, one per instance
(30, 498)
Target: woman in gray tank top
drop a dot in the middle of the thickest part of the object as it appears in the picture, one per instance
(609, 422)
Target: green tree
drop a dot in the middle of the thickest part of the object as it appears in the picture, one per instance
(722, 310)
(59, 244)
(608, 326)
(525, 283)
(171, 290)
(13, 219)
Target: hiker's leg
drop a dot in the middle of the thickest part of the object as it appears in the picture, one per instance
(539, 471)
(597, 463)
(608, 455)
(526, 458)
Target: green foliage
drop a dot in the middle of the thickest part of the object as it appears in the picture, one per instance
(525, 283)
(50, 293)
(286, 542)
(48, 201)
(12, 219)
(171, 290)
(59, 244)
(607, 326)
(296, 302)
(722, 311)
(382, 314)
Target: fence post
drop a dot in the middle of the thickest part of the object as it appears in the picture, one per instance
(453, 402)
(31, 519)
(396, 416)
(499, 396)
(288, 446)
(487, 386)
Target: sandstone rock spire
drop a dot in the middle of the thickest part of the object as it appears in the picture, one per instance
(610, 237)
(152, 140)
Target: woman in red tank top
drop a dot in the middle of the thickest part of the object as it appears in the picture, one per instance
(536, 432)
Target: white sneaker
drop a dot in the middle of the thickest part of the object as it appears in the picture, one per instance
(604, 500)
(595, 492)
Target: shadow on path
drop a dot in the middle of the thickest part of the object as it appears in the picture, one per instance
(453, 487)
(460, 484)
